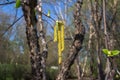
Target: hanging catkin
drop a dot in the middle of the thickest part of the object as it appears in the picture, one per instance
(62, 36)
(59, 37)
(55, 32)
(59, 45)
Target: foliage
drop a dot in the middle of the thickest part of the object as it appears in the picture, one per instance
(18, 3)
(111, 53)
(13, 71)
(48, 13)
(51, 74)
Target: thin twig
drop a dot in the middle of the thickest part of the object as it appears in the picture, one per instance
(49, 17)
(11, 25)
(7, 3)
(46, 15)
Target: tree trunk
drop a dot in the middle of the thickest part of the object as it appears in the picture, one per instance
(99, 61)
(91, 35)
(97, 23)
(110, 64)
(79, 71)
(28, 7)
(41, 34)
(77, 43)
(84, 66)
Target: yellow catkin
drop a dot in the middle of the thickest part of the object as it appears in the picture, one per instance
(55, 33)
(62, 37)
(59, 37)
(59, 45)
(60, 60)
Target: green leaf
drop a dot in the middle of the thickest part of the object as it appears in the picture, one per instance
(105, 51)
(18, 3)
(115, 52)
(110, 53)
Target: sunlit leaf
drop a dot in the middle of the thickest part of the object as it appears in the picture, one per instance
(48, 13)
(18, 3)
(110, 53)
(115, 52)
(105, 51)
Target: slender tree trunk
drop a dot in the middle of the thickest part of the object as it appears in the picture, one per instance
(28, 7)
(77, 44)
(91, 34)
(42, 40)
(99, 63)
(84, 65)
(110, 64)
(78, 68)
(97, 22)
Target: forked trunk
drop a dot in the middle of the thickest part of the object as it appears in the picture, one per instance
(28, 7)
(77, 44)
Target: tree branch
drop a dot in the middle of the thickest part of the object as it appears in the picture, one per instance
(7, 3)
(11, 25)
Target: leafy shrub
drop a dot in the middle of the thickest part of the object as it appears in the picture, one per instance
(51, 73)
(12, 71)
